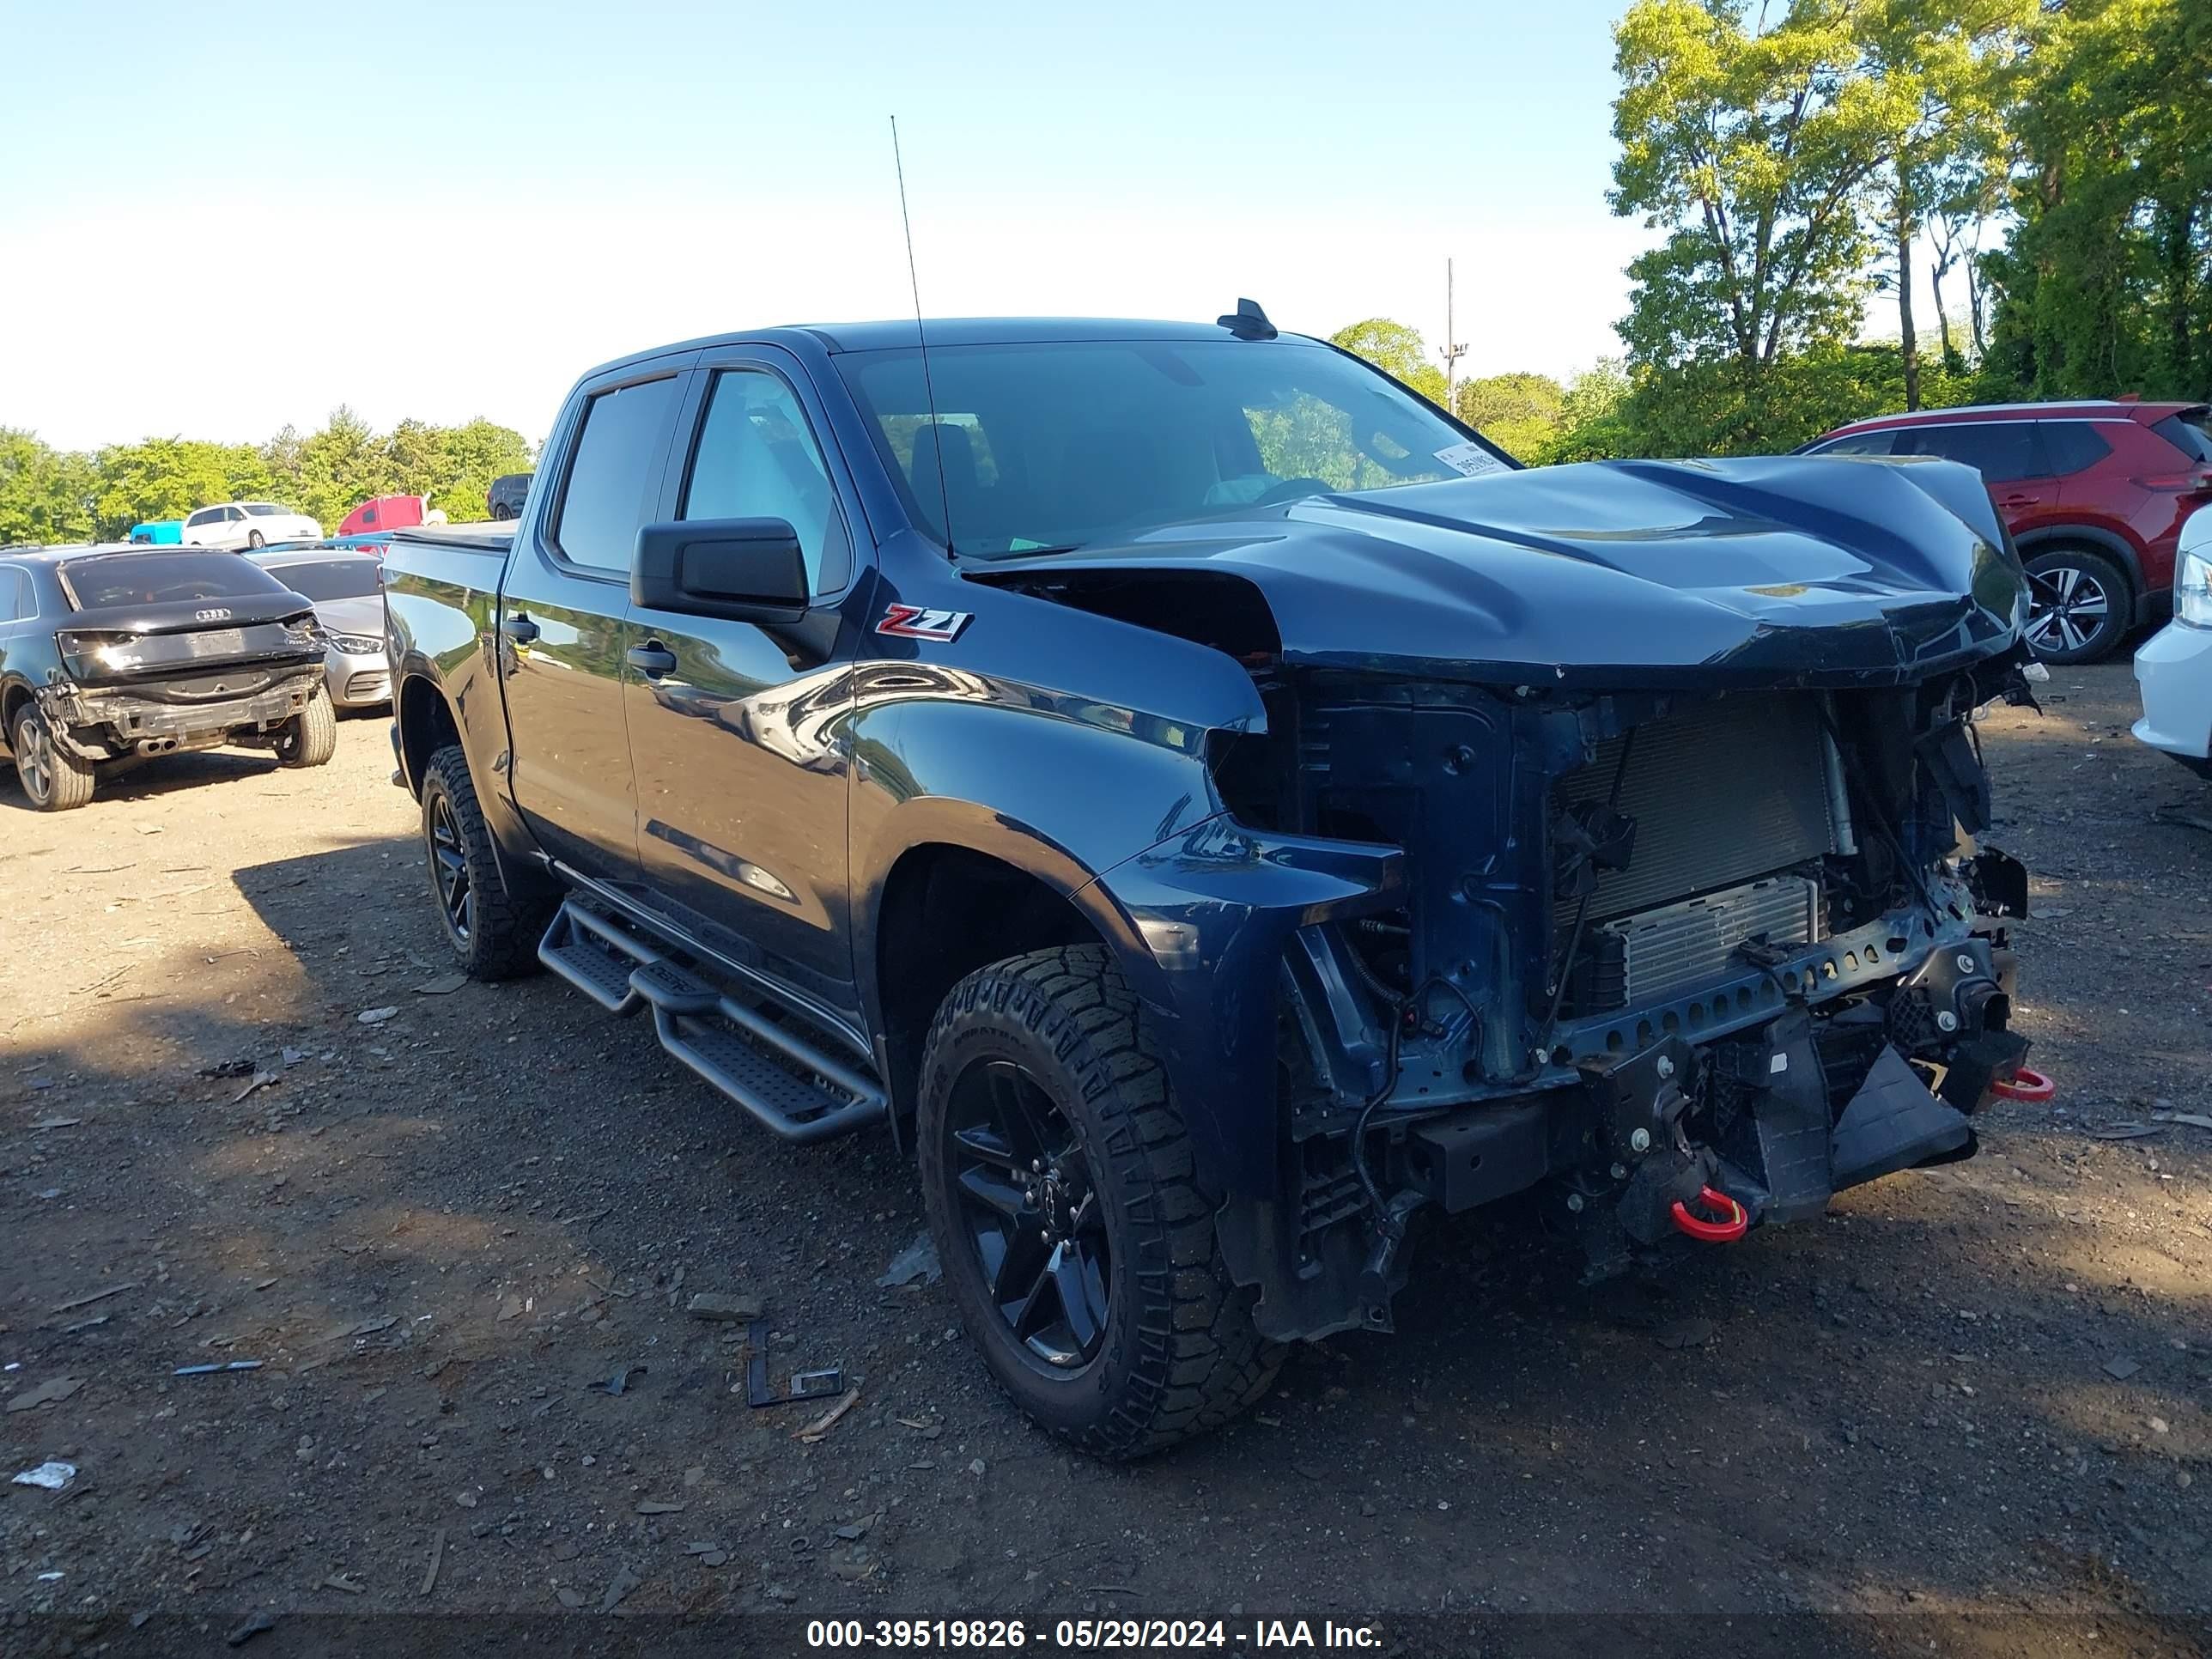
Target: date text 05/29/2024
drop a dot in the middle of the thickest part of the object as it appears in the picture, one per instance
(1092, 1635)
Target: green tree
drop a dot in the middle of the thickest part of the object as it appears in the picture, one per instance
(45, 495)
(1523, 412)
(1751, 145)
(455, 465)
(342, 466)
(1592, 426)
(1597, 391)
(167, 477)
(1718, 408)
(2105, 285)
(1397, 350)
(1941, 72)
(470, 456)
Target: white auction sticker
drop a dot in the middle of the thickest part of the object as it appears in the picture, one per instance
(1470, 460)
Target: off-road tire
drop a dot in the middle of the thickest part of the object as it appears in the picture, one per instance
(1180, 1355)
(504, 927)
(2119, 602)
(310, 738)
(68, 780)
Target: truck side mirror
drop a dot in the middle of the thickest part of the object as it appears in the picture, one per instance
(746, 569)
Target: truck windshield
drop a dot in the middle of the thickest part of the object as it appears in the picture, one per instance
(1050, 445)
(114, 579)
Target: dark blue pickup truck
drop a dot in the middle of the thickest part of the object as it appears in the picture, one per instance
(1211, 807)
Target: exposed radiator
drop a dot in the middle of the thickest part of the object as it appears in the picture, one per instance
(1639, 958)
(1722, 792)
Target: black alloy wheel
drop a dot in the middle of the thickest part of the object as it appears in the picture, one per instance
(1062, 1190)
(493, 924)
(1030, 1211)
(449, 870)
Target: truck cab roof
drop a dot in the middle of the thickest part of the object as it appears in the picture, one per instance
(894, 334)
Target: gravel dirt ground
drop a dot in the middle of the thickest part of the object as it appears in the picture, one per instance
(245, 1117)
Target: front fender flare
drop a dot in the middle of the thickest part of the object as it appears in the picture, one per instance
(944, 821)
(1207, 915)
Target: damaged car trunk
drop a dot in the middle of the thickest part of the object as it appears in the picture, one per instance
(1693, 932)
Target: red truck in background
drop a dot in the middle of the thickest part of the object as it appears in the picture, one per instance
(390, 513)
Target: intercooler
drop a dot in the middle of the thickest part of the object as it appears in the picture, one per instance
(1726, 795)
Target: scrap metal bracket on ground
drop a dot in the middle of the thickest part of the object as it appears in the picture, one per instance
(805, 1385)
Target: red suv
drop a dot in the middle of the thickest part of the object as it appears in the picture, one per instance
(2094, 493)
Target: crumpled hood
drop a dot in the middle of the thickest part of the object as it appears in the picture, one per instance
(1783, 570)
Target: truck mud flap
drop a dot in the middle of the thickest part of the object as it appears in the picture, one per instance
(797, 1089)
(1893, 1123)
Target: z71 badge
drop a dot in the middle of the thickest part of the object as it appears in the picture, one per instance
(912, 622)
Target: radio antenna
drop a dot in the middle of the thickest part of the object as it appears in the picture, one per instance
(928, 387)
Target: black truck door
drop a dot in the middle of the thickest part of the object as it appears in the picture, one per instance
(561, 622)
(734, 727)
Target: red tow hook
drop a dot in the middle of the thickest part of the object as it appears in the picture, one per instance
(1725, 1231)
(2024, 1085)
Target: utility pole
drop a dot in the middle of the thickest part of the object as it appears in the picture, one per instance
(1452, 351)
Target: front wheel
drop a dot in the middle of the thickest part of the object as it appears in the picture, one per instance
(310, 738)
(2079, 606)
(253, 540)
(53, 779)
(1057, 1176)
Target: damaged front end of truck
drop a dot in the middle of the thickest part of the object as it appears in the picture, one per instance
(1608, 843)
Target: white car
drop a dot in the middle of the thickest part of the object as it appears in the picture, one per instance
(2174, 669)
(239, 524)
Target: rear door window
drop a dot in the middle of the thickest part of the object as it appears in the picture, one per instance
(2000, 450)
(11, 594)
(2072, 446)
(616, 474)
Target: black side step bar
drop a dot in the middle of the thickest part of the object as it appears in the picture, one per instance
(807, 1095)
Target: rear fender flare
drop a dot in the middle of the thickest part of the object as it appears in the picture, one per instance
(521, 865)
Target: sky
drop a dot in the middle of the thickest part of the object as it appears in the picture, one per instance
(219, 219)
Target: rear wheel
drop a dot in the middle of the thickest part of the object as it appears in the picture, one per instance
(2080, 605)
(1057, 1176)
(310, 738)
(54, 779)
(253, 540)
(494, 932)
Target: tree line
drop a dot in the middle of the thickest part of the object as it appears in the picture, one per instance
(2044, 161)
(49, 494)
